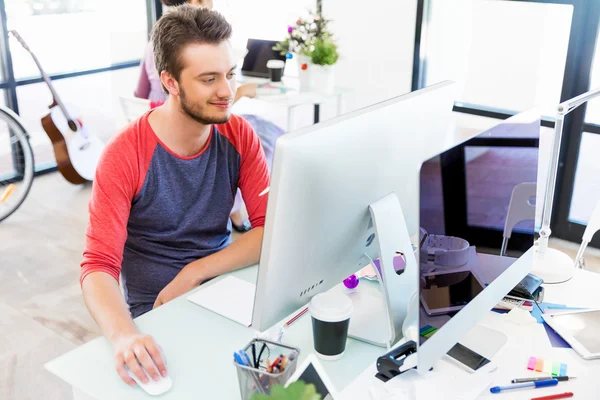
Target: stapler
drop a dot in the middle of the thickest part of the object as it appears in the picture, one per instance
(397, 361)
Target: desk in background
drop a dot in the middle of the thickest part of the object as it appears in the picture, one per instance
(199, 346)
(294, 97)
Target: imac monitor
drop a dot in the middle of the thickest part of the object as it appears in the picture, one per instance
(465, 198)
(318, 228)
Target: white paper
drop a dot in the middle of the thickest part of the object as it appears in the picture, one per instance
(231, 297)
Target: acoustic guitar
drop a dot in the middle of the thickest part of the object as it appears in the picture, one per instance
(76, 150)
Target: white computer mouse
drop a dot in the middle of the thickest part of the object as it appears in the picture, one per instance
(153, 388)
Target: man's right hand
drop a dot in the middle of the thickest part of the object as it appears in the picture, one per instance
(134, 349)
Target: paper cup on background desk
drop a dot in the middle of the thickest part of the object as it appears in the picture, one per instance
(330, 314)
(275, 69)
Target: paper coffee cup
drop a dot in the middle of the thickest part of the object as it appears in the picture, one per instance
(330, 314)
(275, 69)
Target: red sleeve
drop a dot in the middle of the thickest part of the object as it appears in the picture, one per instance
(119, 176)
(254, 174)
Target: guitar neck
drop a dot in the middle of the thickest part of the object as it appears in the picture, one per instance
(72, 124)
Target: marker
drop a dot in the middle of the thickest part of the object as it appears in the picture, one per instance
(543, 378)
(555, 396)
(264, 192)
(537, 384)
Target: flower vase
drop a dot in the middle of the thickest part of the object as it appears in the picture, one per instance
(304, 73)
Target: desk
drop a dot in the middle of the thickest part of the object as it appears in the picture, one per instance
(198, 345)
(581, 291)
(295, 97)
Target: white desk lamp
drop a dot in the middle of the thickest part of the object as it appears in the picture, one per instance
(551, 265)
(592, 227)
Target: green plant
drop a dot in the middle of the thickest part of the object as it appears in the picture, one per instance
(296, 391)
(325, 52)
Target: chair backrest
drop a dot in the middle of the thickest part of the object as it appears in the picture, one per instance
(134, 107)
(520, 207)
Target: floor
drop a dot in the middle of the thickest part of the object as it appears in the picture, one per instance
(43, 314)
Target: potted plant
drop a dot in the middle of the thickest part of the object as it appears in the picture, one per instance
(323, 57)
(296, 391)
(302, 39)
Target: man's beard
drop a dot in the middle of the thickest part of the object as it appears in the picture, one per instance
(195, 112)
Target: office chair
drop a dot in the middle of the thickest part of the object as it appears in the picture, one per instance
(520, 209)
(133, 107)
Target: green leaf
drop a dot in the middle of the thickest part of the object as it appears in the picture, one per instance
(296, 391)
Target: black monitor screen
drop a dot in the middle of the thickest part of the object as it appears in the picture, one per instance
(259, 52)
(465, 195)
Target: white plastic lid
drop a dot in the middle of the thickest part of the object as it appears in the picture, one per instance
(275, 64)
(331, 307)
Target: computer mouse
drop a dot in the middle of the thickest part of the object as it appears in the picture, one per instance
(153, 388)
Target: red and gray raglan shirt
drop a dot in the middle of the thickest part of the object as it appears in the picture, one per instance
(152, 212)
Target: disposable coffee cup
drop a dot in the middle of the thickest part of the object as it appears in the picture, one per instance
(275, 69)
(330, 314)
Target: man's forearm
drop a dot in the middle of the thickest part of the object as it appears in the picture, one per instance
(243, 252)
(105, 302)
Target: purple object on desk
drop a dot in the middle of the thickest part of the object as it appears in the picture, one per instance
(351, 282)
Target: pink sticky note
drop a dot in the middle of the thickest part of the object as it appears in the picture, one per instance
(539, 365)
(531, 363)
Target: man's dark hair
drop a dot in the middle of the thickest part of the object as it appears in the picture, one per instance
(185, 25)
(173, 3)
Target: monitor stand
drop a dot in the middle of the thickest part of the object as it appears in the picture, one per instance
(379, 315)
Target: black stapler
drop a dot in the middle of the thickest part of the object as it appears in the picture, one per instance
(397, 361)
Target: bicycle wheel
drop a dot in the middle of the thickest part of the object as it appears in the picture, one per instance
(16, 163)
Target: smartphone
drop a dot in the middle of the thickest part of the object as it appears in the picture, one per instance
(470, 361)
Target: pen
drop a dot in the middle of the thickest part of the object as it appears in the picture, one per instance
(555, 396)
(295, 317)
(536, 384)
(543, 378)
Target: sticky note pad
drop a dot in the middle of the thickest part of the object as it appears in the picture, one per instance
(555, 369)
(539, 365)
(531, 363)
(427, 331)
(547, 367)
(430, 334)
(563, 369)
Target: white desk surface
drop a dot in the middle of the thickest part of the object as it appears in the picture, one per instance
(198, 345)
(294, 97)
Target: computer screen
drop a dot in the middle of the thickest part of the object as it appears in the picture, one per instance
(259, 52)
(465, 201)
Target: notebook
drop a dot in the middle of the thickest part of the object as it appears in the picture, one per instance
(231, 297)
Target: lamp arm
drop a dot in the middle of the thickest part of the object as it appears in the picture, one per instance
(563, 109)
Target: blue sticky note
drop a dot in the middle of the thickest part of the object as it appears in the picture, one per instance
(563, 369)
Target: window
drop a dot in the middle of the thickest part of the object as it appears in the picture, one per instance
(508, 55)
(76, 35)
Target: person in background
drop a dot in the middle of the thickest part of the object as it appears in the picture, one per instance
(149, 87)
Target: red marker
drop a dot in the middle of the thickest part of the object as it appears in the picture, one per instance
(555, 396)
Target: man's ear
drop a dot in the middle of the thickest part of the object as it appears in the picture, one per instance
(170, 83)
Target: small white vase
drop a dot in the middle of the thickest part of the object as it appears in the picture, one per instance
(323, 78)
(304, 73)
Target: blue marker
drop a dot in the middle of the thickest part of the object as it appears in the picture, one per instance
(241, 358)
(536, 384)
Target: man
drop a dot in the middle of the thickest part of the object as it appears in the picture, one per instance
(159, 212)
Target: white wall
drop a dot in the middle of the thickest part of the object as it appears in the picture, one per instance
(376, 41)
